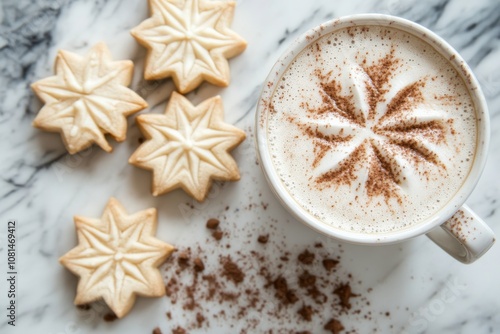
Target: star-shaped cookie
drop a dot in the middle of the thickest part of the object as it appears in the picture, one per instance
(117, 258)
(190, 41)
(87, 98)
(188, 146)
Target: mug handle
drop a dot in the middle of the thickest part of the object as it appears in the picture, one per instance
(464, 236)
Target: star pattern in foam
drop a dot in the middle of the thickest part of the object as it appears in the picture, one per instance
(356, 140)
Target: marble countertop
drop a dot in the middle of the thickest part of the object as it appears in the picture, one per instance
(411, 287)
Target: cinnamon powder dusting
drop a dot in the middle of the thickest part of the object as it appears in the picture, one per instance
(379, 73)
(395, 130)
(382, 180)
(406, 99)
(345, 173)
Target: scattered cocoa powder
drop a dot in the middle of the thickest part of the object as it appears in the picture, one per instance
(334, 326)
(285, 295)
(213, 223)
(171, 290)
(344, 292)
(217, 235)
(306, 312)
(232, 271)
(198, 264)
(308, 282)
(179, 330)
(157, 331)
(263, 239)
(200, 319)
(183, 259)
(329, 264)
(290, 283)
(110, 317)
(306, 257)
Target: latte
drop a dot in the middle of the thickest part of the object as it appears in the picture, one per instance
(371, 130)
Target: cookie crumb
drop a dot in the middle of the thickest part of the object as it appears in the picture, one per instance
(157, 331)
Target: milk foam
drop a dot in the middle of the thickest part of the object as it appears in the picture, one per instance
(415, 155)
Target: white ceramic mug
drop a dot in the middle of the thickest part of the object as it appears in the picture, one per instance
(455, 228)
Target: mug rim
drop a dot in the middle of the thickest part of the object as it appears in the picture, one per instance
(442, 47)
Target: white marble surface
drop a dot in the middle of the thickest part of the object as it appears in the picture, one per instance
(42, 187)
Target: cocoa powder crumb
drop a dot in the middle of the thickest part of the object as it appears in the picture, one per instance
(109, 317)
(169, 315)
(171, 289)
(306, 280)
(200, 319)
(213, 223)
(263, 239)
(306, 257)
(198, 265)
(217, 235)
(231, 270)
(183, 259)
(334, 326)
(306, 312)
(285, 295)
(179, 330)
(329, 264)
(344, 292)
(157, 331)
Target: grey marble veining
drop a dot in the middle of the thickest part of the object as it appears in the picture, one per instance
(42, 187)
